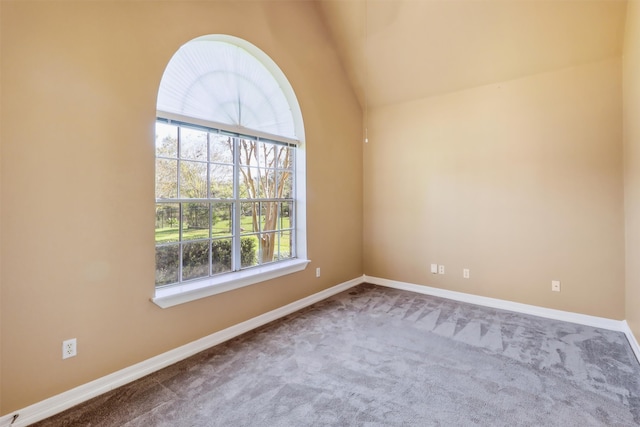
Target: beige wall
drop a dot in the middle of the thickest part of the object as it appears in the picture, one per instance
(631, 84)
(521, 182)
(79, 85)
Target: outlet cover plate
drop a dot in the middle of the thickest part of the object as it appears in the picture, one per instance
(69, 348)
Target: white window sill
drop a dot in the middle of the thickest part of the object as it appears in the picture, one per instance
(191, 291)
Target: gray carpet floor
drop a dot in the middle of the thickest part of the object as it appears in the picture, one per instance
(374, 356)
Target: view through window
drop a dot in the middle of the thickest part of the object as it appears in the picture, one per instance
(224, 202)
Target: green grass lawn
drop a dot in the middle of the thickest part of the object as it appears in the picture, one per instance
(170, 234)
(220, 229)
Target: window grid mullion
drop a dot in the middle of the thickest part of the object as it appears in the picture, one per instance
(181, 243)
(236, 258)
(260, 153)
(293, 167)
(179, 163)
(180, 206)
(210, 214)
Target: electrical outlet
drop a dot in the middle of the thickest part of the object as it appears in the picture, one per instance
(555, 285)
(69, 348)
(318, 272)
(465, 273)
(441, 269)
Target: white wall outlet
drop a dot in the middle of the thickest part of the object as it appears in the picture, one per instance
(441, 269)
(555, 285)
(465, 273)
(318, 272)
(69, 348)
(434, 268)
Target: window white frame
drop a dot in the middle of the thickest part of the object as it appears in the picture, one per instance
(195, 289)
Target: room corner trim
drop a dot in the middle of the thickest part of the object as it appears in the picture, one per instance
(56, 404)
(566, 316)
(632, 340)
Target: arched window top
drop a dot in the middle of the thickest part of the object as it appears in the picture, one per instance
(217, 79)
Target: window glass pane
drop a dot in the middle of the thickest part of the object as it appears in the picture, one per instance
(284, 245)
(221, 219)
(285, 184)
(249, 183)
(249, 217)
(221, 148)
(195, 221)
(195, 260)
(167, 261)
(166, 179)
(248, 154)
(248, 251)
(268, 184)
(268, 243)
(221, 181)
(275, 156)
(193, 144)
(284, 216)
(193, 180)
(166, 140)
(167, 222)
(284, 157)
(265, 154)
(221, 253)
(268, 216)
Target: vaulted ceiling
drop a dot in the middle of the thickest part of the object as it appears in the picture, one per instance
(401, 50)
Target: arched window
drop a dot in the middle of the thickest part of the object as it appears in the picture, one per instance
(230, 186)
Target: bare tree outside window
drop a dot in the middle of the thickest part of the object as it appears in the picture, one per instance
(266, 175)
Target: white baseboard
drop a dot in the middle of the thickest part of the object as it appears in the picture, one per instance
(549, 313)
(68, 399)
(632, 340)
(56, 404)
